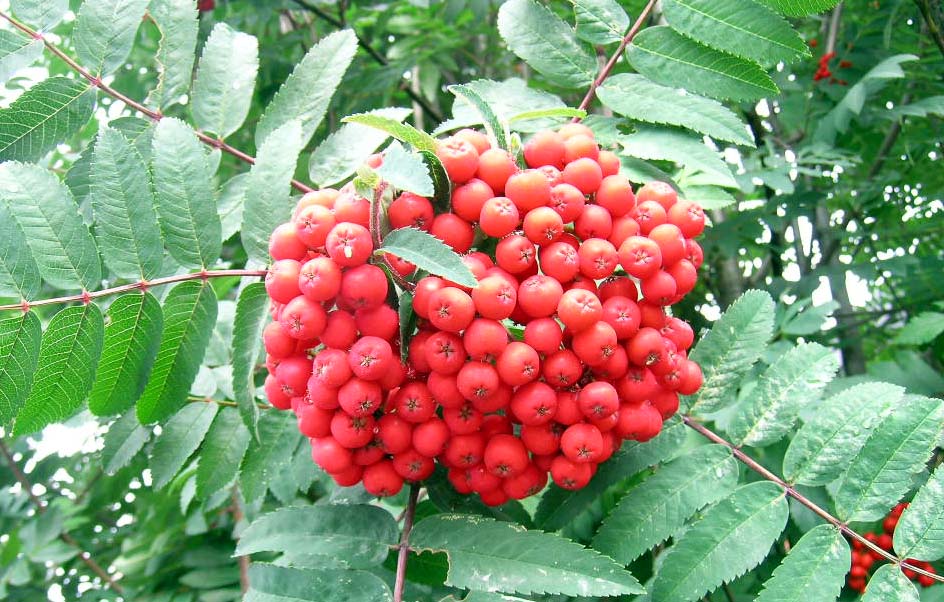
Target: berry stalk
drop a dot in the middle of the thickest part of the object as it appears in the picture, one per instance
(404, 547)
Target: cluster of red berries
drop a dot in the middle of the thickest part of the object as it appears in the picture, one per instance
(563, 349)
(863, 558)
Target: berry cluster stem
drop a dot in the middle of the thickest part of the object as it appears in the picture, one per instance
(404, 547)
(608, 67)
(792, 492)
(84, 556)
(142, 285)
(150, 113)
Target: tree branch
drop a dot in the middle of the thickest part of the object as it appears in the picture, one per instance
(404, 547)
(933, 21)
(150, 113)
(608, 67)
(141, 285)
(792, 492)
(84, 556)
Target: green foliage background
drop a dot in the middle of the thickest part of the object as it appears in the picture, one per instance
(824, 195)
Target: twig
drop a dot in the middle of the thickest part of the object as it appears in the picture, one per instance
(372, 52)
(141, 285)
(834, 19)
(150, 113)
(84, 556)
(404, 547)
(605, 71)
(792, 492)
(933, 22)
(243, 561)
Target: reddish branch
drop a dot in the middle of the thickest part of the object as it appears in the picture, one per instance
(404, 547)
(84, 556)
(150, 113)
(605, 71)
(142, 285)
(792, 492)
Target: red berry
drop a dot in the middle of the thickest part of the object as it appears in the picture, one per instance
(505, 456)
(459, 157)
(410, 210)
(382, 480)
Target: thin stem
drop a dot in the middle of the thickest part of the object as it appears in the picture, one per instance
(221, 402)
(243, 561)
(84, 556)
(834, 20)
(605, 71)
(792, 492)
(150, 113)
(141, 285)
(404, 547)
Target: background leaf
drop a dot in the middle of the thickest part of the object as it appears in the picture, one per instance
(42, 14)
(306, 93)
(267, 203)
(252, 310)
(180, 437)
(428, 253)
(226, 77)
(920, 530)
(546, 43)
(19, 274)
(814, 569)
(675, 145)
(485, 554)
(190, 311)
(732, 537)
(19, 352)
(183, 188)
(270, 583)
(16, 52)
(732, 346)
(269, 454)
(179, 25)
(222, 453)
(639, 99)
(42, 117)
(669, 58)
(124, 439)
(131, 340)
(921, 329)
(105, 31)
(68, 357)
(123, 205)
(600, 21)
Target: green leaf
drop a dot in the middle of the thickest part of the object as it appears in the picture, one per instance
(68, 357)
(639, 99)
(269, 454)
(267, 202)
(649, 142)
(488, 555)
(600, 21)
(931, 105)
(920, 330)
(786, 387)
(744, 29)
(494, 128)
(226, 77)
(800, 8)
(341, 153)
(563, 113)
(123, 205)
(58, 238)
(180, 437)
(183, 187)
(42, 117)
(306, 93)
(408, 321)
(897, 449)
(270, 583)
(731, 347)
(920, 530)
(403, 132)
(252, 309)
(442, 185)
(824, 446)
(189, 315)
(559, 507)
(19, 352)
(814, 569)
(358, 535)
(41, 14)
(656, 508)
(123, 441)
(428, 253)
(732, 537)
(405, 170)
(709, 197)
(132, 334)
(19, 274)
(547, 43)
(669, 58)
(16, 52)
(507, 99)
(889, 583)
(105, 32)
(222, 453)
(178, 23)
